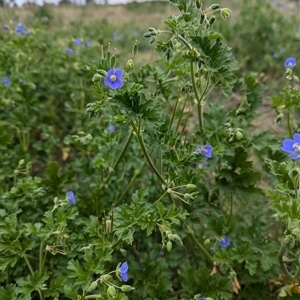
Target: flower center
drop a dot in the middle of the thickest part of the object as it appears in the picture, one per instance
(113, 77)
(296, 146)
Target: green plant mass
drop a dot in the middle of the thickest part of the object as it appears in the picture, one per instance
(150, 151)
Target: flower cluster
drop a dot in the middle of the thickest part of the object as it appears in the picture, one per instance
(21, 30)
(69, 51)
(292, 147)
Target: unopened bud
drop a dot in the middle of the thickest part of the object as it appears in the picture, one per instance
(214, 6)
(187, 196)
(126, 288)
(135, 49)
(170, 237)
(112, 60)
(199, 4)
(202, 18)
(206, 242)
(96, 77)
(239, 135)
(212, 20)
(108, 226)
(225, 13)
(152, 40)
(191, 186)
(279, 118)
(93, 286)
(111, 291)
(130, 64)
(169, 246)
(178, 240)
(147, 34)
(151, 29)
(102, 72)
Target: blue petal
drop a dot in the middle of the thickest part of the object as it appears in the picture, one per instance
(287, 146)
(297, 138)
(110, 72)
(118, 73)
(124, 277)
(124, 267)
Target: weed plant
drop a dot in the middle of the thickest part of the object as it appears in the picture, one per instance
(124, 179)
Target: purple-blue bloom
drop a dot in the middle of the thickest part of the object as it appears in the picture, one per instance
(201, 298)
(113, 79)
(6, 81)
(292, 147)
(205, 150)
(123, 271)
(78, 42)
(21, 30)
(71, 197)
(5, 27)
(115, 36)
(290, 62)
(224, 242)
(69, 51)
(111, 128)
(88, 43)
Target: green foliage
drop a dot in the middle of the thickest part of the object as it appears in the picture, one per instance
(185, 164)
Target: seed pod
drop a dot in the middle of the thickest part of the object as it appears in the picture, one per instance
(178, 240)
(212, 20)
(169, 246)
(111, 291)
(202, 18)
(191, 186)
(126, 288)
(152, 40)
(130, 64)
(225, 13)
(93, 286)
(151, 29)
(199, 4)
(239, 135)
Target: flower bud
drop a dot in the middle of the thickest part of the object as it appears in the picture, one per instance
(170, 237)
(206, 242)
(202, 18)
(111, 291)
(279, 118)
(130, 64)
(239, 135)
(178, 240)
(214, 6)
(152, 40)
(135, 49)
(225, 13)
(212, 20)
(191, 186)
(198, 4)
(169, 246)
(126, 288)
(147, 34)
(93, 286)
(102, 72)
(112, 60)
(187, 196)
(151, 29)
(96, 77)
(108, 226)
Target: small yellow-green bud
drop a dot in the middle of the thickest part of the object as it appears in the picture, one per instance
(96, 77)
(170, 237)
(187, 196)
(111, 291)
(214, 6)
(126, 288)
(169, 246)
(130, 64)
(191, 186)
(147, 34)
(93, 286)
(206, 242)
(239, 135)
(225, 13)
(178, 240)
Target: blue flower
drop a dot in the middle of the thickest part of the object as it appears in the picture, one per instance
(5, 27)
(113, 79)
(21, 30)
(88, 43)
(78, 42)
(69, 51)
(6, 81)
(71, 197)
(292, 147)
(201, 298)
(123, 271)
(290, 62)
(205, 150)
(224, 242)
(115, 36)
(111, 128)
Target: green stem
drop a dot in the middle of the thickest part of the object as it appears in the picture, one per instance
(150, 163)
(163, 195)
(199, 106)
(289, 124)
(119, 158)
(287, 274)
(41, 260)
(191, 234)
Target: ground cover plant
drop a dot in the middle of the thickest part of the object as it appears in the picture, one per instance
(123, 178)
